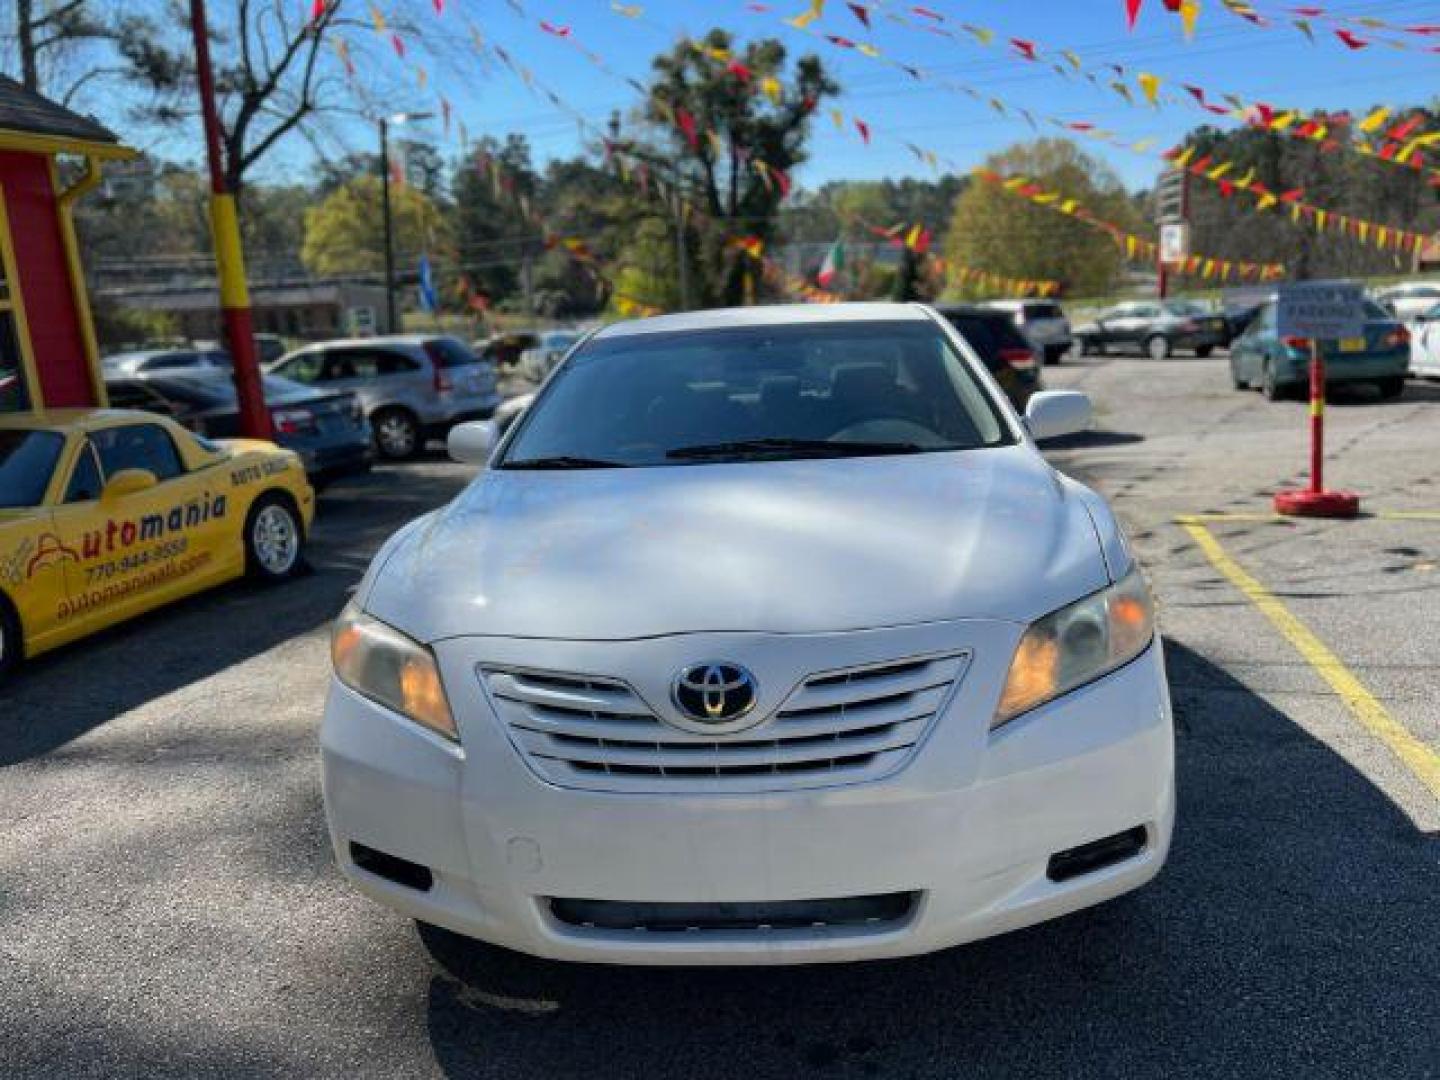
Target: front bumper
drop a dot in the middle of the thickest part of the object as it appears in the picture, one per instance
(967, 826)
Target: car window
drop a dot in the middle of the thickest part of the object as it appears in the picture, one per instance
(305, 369)
(86, 482)
(136, 395)
(671, 398)
(1375, 313)
(138, 446)
(446, 352)
(1043, 311)
(388, 362)
(169, 360)
(27, 462)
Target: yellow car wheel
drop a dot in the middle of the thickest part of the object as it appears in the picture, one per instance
(273, 538)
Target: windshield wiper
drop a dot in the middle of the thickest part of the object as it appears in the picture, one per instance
(563, 461)
(749, 448)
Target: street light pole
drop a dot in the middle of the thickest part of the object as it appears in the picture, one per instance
(391, 315)
(229, 254)
(390, 318)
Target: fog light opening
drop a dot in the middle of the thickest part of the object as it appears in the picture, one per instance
(1096, 855)
(392, 868)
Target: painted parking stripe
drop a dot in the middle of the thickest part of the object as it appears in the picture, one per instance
(1415, 755)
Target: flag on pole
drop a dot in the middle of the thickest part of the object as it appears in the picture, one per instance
(833, 264)
(428, 300)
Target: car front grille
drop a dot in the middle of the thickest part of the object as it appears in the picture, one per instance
(836, 727)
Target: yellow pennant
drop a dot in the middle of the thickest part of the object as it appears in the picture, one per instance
(1151, 85)
(630, 11)
(770, 86)
(377, 18)
(1375, 120)
(805, 18)
(1189, 12)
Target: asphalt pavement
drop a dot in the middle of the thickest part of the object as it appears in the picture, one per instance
(168, 905)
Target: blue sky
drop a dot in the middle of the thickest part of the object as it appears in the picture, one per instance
(1278, 66)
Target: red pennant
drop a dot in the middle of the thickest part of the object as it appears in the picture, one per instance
(864, 130)
(1132, 11)
(398, 45)
(552, 28)
(926, 13)
(686, 123)
(1024, 48)
(1351, 41)
(739, 70)
(317, 10)
(860, 12)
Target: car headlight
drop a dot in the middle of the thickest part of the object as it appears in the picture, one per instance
(384, 665)
(1078, 644)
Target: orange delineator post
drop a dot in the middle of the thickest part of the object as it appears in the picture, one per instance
(229, 253)
(1314, 500)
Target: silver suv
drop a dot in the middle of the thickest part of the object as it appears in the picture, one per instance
(411, 386)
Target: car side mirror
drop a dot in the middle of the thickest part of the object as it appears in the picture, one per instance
(1053, 413)
(128, 482)
(472, 442)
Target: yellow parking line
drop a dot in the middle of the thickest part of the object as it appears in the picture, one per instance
(1419, 758)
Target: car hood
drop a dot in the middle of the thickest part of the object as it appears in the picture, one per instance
(778, 547)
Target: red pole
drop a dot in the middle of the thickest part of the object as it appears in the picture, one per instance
(1317, 417)
(229, 255)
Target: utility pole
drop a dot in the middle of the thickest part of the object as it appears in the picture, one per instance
(229, 254)
(1172, 204)
(392, 316)
(391, 326)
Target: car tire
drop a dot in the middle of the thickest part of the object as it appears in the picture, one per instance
(1204, 351)
(397, 434)
(1157, 347)
(1272, 390)
(1392, 387)
(274, 538)
(12, 640)
(1237, 382)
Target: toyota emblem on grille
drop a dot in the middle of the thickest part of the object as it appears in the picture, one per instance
(715, 693)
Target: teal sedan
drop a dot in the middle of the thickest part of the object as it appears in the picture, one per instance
(1280, 367)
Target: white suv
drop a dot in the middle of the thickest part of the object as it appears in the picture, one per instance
(1043, 322)
(766, 636)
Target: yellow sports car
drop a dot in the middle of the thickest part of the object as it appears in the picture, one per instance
(105, 513)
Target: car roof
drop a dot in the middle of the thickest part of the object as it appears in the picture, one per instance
(64, 420)
(364, 342)
(769, 315)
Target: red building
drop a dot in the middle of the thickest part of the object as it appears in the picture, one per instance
(48, 354)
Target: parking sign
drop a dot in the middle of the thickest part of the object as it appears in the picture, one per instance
(1321, 310)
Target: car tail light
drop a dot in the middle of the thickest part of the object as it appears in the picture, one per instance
(292, 421)
(1297, 344)
(1397, 338)
(1018, 358)
(443, 385)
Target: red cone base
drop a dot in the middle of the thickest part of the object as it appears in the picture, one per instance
(1327, 504)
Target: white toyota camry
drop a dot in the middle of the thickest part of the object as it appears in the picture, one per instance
(765, 636)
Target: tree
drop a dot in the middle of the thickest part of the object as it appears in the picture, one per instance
(648, 271)
(269, 75)
(48, 37)
(999, 232)
(493, 239)
(345, 233)
(733, 124)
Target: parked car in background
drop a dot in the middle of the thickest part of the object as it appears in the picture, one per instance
(1237, 318)
(1280, 367)
(326, 429)
(1425, 343)
(545, 355)
(1012, 359)
(504, 349)
(1154, 328)
(1409, 299)
(193, 358)
(1043, 322)
(411, 386)
(268, 347)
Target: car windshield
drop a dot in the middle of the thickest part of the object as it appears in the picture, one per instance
(758, 393)
(27, 460)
